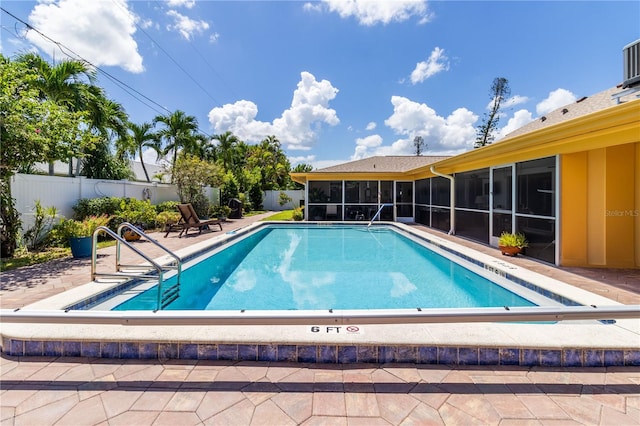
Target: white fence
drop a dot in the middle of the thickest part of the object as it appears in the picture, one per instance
(64, 193)
(271, 200)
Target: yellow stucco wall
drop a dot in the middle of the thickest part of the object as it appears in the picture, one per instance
(600, 212)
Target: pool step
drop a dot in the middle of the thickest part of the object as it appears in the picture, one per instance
(169, 294)
(150, 270)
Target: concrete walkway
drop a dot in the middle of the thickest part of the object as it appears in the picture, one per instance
(78, 391)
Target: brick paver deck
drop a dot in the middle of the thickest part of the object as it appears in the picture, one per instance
(78, 391)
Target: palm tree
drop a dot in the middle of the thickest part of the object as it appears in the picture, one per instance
(140, 137)
(227, 143)
(179, 131)
(107, 120)
(62, 83)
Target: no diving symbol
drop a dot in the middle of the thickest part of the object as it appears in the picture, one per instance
(353, 329)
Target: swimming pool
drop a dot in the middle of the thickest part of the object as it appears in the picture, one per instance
(67, 324)
(280, 267)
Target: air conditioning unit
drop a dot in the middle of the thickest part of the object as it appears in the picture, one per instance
(631, 58)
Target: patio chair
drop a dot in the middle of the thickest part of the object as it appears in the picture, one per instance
(190, 220)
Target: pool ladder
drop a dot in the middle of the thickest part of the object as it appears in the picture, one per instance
(141, 271)
(378, 213)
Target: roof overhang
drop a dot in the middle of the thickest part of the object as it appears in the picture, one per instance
(612, 126)
(609, 127)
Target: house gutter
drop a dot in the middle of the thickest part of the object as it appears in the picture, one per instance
(452, 194)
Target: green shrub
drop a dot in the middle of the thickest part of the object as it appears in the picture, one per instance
(283, 198)
(70, 228)
(136, 212)
(201, 205)
(36, 236)
(166, 217)
(96, 207)
(298, 214)
(508, 239)
(219, 211)
(167, 206)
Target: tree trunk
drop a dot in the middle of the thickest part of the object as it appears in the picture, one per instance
(9, 219)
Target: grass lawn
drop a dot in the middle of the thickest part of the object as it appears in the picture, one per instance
(283, 215)
(25, 258)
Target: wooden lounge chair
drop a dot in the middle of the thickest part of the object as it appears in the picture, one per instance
(190, 220)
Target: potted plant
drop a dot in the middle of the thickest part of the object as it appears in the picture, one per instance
(511, 244)
(79, 233)
(221, 212)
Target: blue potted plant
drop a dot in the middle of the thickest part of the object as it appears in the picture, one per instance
(79, 233)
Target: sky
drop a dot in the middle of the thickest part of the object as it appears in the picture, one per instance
(335, 80)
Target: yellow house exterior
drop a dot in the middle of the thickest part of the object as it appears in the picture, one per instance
(594, 196)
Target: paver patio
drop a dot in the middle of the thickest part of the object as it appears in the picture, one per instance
(76, 391)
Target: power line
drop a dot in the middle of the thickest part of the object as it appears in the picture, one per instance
(172, 59)
(71, 54)
(204, 59)
(124, 86)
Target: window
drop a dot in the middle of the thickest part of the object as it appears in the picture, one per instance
(536, 187)
(440, 192)
(473, 225)
(423, 190)
(325, 191)
(472, 189)
(361, 191)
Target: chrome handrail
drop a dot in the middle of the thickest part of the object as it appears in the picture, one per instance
(120, 240)
(155, 242)
(378, 213)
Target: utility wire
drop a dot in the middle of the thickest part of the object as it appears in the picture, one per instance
(71, 54)
(172, 59)
(64, 49)
(204, 59)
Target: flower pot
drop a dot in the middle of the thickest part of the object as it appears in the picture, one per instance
(510, 250)
(131, 236)
(80, 246)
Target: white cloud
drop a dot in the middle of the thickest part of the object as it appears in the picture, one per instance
(306, 159)
(186, 26)
(371, 125)
(321, 164)
(181, 3)
(519, 119)
(372, 12)
(100, 32)
(436, 63)
(364, 146)
(514, 100)
(297, 127)
(556, 99)
(442, 135)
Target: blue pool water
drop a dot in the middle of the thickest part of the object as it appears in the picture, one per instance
(325, 267)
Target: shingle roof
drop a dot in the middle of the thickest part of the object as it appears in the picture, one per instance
(383, 164)
(582, 106)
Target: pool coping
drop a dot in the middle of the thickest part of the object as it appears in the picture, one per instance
(561, 344)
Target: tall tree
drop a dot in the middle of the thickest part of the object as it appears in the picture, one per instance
(499, 92)
(32, 129)
(179, 131)
(65, 83)
(272, 163)
(300, 168)
(108, 121)
(226, 148)
(418, 143)
(140, 137)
